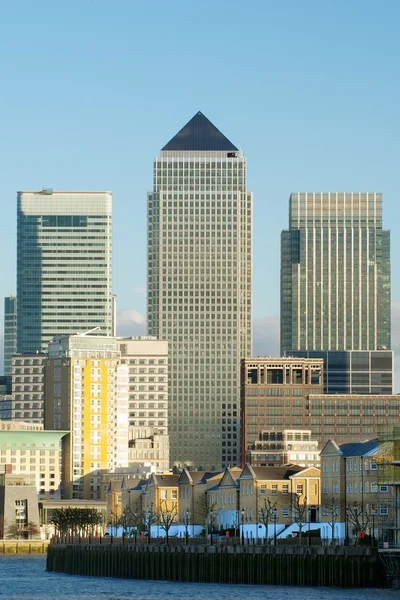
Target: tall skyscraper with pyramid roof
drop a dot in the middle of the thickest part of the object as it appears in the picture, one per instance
(199, 288)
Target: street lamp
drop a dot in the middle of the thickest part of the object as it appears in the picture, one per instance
(186, 525)
(136, 526)
(373, 513)
(242, 526)
(275, 518)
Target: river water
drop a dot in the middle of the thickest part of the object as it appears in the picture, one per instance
(25, 578)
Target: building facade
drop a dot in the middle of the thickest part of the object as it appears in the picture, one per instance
(335, 274)
(27, 399)
(354, 371)
(274, 448)
(147, 362)
(274, 396)
(10, 332)
(32, 451)
(199, 287)
(86, 393)
(63, 266)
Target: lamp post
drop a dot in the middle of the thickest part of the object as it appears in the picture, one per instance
(275, 518)
(373, 513)
(186, 525)
(136, 526)
(242, 512)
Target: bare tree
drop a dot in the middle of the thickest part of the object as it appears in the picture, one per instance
(299, 510)
(32, 529)
(150, 517)
(332, 510)
(14, 531)
(167, 516)
(266, 514)
(358, 518)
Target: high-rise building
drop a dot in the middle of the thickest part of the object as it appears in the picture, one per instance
(63, 266)
(199, 287)
(27, 400)
(86, 393)
(335, 274)
(10, 332)
(147, 360)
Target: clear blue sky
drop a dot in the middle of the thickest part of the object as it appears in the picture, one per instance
(90, 90)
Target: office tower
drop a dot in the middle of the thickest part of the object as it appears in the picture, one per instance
(147, 361)
(286, 393)
(86, 393)
(274, 396)
(354, 371)
(27, 399)
(63, 266)
(335, 274)
(199, 287)
(10, 332)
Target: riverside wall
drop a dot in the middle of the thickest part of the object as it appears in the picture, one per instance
(332, 566)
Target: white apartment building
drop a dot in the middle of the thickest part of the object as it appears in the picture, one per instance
(147, 361)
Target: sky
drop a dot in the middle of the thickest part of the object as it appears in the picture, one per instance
(90, 90)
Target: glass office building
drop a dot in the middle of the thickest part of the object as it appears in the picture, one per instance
(355, 372)
(335, 274)
(10, 332)
(199, 288)
(63, 266)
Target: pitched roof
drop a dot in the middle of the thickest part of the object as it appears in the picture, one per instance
(283, 472)
(358, 449)
(199, 134)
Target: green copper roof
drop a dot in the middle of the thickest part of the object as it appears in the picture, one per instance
(42, 440)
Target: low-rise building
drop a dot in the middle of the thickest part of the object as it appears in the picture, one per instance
(18, 505)
(277, 447)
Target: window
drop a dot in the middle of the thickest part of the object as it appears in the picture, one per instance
(384, 489)
(285, 512)
(299, 489)
(383, 509)
(274, 488)
(285, 488)
(174, 494)
(373, 465)
(163, 494)
(263, 489)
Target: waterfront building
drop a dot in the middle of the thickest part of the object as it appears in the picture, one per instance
(286, 492)
(30, 450)
(147, 362)
(274, 396)
(335, 274)
(160, 495)
(10, 332)
(18, 504)
(63, 266)
(352, 490)
(274, 448)
(27, 400)
(354, 371)
(199, 279)
(86, 393)
(193, 486)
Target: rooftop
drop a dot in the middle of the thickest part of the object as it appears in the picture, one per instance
(199, 134)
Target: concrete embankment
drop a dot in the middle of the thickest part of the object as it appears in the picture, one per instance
(308, 566)
(23, 547)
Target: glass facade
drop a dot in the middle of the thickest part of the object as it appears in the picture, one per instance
(63, 266)
(353, 372)
(10, 333)
(335, 274)
(199, 290)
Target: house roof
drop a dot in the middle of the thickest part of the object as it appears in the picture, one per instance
(359, 449)
(283, 472)
(199, 134)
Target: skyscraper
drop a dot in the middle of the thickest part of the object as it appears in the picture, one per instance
(199, 287)
(335, 274)
(63, 266)
(10, 332)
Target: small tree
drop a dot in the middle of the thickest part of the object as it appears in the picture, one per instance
(358, 518)
(32, 529)
(332, 510)
(299, 511)
(167, 517)
(14, 531)
(149, 518)
(266, 514)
